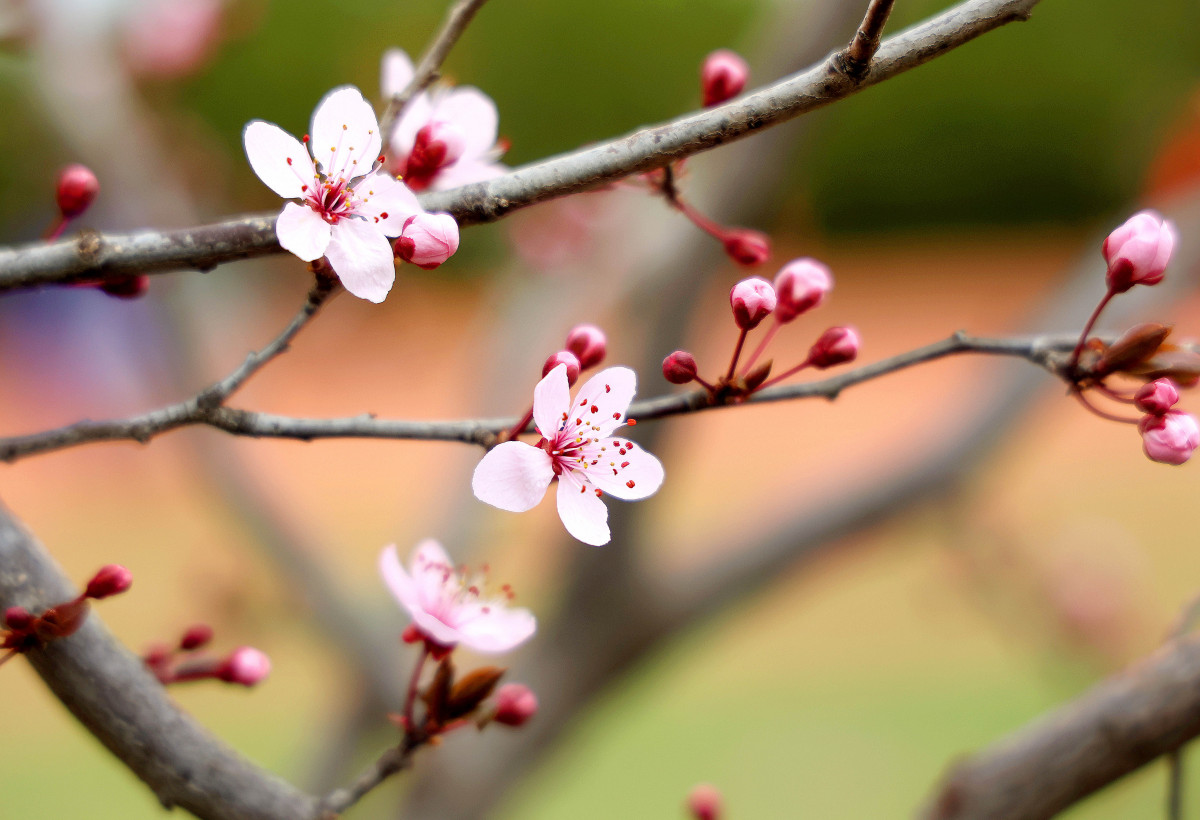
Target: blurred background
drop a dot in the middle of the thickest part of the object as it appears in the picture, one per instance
(961, 195)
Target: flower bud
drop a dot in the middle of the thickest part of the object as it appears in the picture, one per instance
(747, 247)
(801, 285)
(127, 287)
(1170, 438)
(588, 343)
(679, 367)
(752, 301)
(836, 346)
(704, 802)
(564, 357)
(196, 637)
(723, 76)
(515, 704)
(427, 240)
(245, 665)
(18, 618)
(112, 579)
(1156, 397)
(1138, 251)
(75, 190)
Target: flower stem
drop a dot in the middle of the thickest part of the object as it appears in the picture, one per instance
(1078, 394)
(758, 351)
(56, 229)
(737, 352)
(1087, 328)
(784, 375)
(411, 697)
(520, 425)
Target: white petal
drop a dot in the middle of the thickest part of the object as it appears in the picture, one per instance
(615, 472)
(433, 575)
(382, 194)
(395, 73)
(610, 391)
(474, 113)
(345, 133)
(498, 630)
(513, 476)
(440, 631)
(302, 231)
(269, 147)
(551, 399)
(582, 513)
(415, 117)
(397, 580)
(362, 258)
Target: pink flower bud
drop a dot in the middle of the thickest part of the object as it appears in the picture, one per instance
(801, 285)
(18, 618)
(128, 287)
(747, 247)
(704, 802)
(563, 357)
(196, 637)
(588, 343)
(427, 240)
(679, 367)
(1156, 397)
(515, 704)
(1170, 438)
(75, 190)
(1138, 251)
(112, 579)
(245, 665)
(752, 301)
(836, 346)
(723, 76)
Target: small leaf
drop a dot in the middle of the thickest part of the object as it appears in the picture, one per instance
(472, 690)
(757, 376)
(437, 693)
(1133, 347)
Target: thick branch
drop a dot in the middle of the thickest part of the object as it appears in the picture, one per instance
(95, 256)
(1118, 726)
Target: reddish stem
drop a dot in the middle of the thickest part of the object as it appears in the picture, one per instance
(784, 375)
(520, 426)
(1078, 351)
(56, 229)
(1101, 413)
(1127, 398)
(758, 351)
(413, 682)
(737, 352)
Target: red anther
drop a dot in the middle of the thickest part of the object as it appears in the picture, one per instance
(304, 139)
(631, 423)
(112, 579)
(628, 483)
(75, 190)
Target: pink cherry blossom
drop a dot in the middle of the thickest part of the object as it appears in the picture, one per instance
(801, 285)
(752, 301)
(448, 609)
(1170, 438)
(1157, 397)
(1137, 252)
(576, 448)
(347, 207)
(427, 240)
(444, 138)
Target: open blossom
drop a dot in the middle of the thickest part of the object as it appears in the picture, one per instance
(448, 609)
(347, 208)
(576, 448)
(444, 138)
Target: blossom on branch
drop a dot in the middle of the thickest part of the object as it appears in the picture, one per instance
(576, 447)
(347, 207)
(1137, 251)
(1170, 438)
(447, 609)
(444, 138)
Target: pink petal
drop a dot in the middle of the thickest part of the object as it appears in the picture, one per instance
(433, 576)
(345, 133)
(641, 468)
(610, 391)
(440, 631)
(474, 113)
(362, 258)
(466, 171)
(582, 513)
(384, 194)
(269, 147)
(415, 117)
(302, 231)
(398, 581)
(497, 630)
(513, 476)
(551, 398)
(396, 72)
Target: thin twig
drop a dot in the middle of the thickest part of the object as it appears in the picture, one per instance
(457, 19)
(394, 760)
(858, 55)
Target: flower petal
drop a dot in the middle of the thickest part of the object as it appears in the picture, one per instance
(269, 147)
(302, 231)
(498, 629)
(398, 581)
(551, 399)
(345, 133)
(362, 258)
(616, 472)
(513, 476)
(610, 391)
(474, 113)
(384, 194)
(414, 117)
(433, 575)
(582, 512)
(396, 72)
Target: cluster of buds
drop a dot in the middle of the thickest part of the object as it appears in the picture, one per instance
(184, 662)
(799, 287)
(1137, 253)
(23, 631)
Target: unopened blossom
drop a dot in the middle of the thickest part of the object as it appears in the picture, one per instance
(427, 240)
(245, 665)
(588, 343)
(75, 190)
(448, 609)
(837, 345)
(800, 286)
(704, 802)
(752, 301)
(679, 367)
(347, 209)
(576, 448)
(1157, 397)
(445, 137)
(568, 360)
(1138, 251)
(112, 579)
(515, 704)
(747, 247)
(723, 76)
(1170, 438)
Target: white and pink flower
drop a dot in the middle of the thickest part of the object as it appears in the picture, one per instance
(447, 609)
(444, 138)
(578, 449)
(347, 208)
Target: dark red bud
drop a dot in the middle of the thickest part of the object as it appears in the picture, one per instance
(563, 357)
(515, 704)
(112, 579)
(836, 346)
(196, 637)
(748, 247)
(588, 343)
(679, 367)
(18, 618)
(75, 190)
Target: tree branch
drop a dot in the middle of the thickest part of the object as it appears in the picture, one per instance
(100, 256)
(857, 57)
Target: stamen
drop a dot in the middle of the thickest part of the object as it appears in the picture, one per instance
(629, 483)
